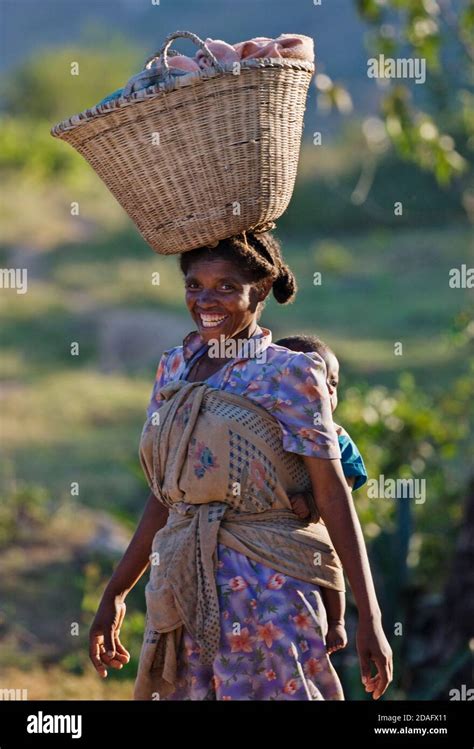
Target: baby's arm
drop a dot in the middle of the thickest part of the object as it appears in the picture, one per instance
(304, 505)
(300, 505)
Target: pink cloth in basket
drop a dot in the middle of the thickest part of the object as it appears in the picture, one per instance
(295, 46)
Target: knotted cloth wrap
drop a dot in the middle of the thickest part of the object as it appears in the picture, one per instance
(217, 461)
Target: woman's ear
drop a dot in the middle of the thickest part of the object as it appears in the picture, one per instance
(264, 288)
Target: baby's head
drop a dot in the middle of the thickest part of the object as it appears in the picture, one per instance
(309, 344)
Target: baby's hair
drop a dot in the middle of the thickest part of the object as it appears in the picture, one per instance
(257, 255)
(306, 344)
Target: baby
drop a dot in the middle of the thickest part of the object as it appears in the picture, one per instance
(354, 471)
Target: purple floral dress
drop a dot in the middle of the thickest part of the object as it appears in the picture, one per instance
(272, 626)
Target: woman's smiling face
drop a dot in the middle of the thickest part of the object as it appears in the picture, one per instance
(220, 298)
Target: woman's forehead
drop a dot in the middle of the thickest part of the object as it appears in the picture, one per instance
(214, 267)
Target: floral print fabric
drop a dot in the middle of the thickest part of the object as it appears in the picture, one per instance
(272, 640)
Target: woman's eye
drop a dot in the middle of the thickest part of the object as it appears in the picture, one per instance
(193, 285)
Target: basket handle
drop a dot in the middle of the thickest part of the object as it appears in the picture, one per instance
(163, 51)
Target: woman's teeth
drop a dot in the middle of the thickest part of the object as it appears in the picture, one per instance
(211, 321)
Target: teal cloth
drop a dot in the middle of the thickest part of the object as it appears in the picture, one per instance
(110, 97)
(352, 462)
(144, 79)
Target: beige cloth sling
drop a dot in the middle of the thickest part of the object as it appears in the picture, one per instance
(217, 461)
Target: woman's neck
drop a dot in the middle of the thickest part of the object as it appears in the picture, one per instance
(243, 334)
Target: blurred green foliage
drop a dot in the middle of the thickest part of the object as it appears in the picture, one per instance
(60, 82)
(432, 31)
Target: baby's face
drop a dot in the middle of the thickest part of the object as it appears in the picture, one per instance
(332, 378)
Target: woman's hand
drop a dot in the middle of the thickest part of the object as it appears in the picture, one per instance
(105, 630)
(373, 647)
(105, 648)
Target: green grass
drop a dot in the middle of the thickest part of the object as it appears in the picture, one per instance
(78, 426)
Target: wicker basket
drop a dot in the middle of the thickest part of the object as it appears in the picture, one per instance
(200, 157)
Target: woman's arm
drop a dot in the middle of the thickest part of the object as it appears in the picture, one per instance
(136, 560)
(105, 648)
(338, 513)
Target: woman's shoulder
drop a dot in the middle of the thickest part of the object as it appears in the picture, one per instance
(170, 362)
(280, 375)
(282, 358)
(168, 368)
(291, 385)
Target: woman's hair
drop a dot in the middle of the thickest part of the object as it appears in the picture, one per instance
(257, 255)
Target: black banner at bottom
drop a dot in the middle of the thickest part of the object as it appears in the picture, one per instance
(82, 723)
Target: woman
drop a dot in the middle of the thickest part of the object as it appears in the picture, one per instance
(272, 641)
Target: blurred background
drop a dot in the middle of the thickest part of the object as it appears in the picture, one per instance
(386, 280)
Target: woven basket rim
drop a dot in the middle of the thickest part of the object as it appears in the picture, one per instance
(190, 79)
